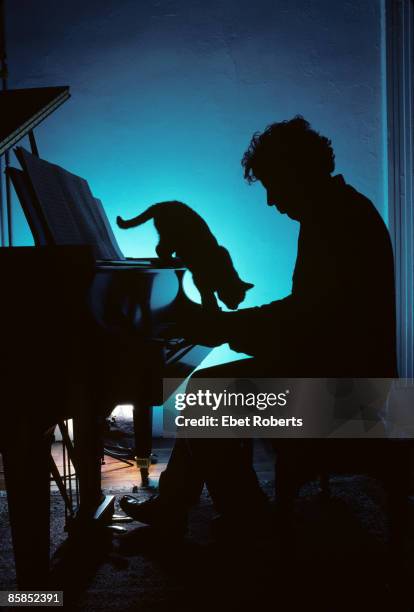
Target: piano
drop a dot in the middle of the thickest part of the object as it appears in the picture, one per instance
(79, 335)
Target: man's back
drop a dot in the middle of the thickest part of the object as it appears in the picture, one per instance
(339, 319)
(343, 287)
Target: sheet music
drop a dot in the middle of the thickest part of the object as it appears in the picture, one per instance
(72, 213)
(107, 227)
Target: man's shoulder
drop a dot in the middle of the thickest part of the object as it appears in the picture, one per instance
(354, 203)
(348, 192)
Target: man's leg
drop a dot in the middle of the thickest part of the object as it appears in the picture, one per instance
(227, 469)
(225, 465)
(181, 481)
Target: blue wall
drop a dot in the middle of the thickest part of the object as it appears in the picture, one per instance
(166, 94)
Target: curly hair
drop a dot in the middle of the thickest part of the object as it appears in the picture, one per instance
(290, 143)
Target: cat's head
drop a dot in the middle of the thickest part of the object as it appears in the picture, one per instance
(233, 295)
(232, 290)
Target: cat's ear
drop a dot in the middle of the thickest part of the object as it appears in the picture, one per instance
(247, 286)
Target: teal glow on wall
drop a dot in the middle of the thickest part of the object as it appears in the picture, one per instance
(166, 95)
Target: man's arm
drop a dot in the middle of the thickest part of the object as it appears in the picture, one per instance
(258, 330)
(254, 331)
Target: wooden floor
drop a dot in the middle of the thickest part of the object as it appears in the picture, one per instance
(117, 475)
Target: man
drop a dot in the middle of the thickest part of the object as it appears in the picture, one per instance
(338, 321)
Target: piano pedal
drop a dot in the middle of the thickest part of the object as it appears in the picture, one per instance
(105, 510)
(116, 529)
(121, 518)
(102, 517)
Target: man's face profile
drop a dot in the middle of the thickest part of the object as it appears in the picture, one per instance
(284, 192)
(294, 164)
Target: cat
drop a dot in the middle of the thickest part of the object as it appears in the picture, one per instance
(182, 231)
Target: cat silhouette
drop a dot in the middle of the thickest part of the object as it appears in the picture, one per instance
(182, 231)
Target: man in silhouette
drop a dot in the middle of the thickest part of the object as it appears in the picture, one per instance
(338, 321)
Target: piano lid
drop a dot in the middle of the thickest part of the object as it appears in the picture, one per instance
(21, 110)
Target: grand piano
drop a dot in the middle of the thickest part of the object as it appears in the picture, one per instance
(79, 335)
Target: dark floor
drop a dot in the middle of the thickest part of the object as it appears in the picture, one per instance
(336, 558)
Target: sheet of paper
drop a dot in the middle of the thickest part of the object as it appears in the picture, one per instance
(73, 214)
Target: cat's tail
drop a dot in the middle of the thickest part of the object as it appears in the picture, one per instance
(138, 220)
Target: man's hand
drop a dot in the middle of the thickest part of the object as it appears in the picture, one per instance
(199, 326)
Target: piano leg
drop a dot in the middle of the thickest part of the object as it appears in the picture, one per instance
(96, 509)
(29, 506)
(142, 416)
